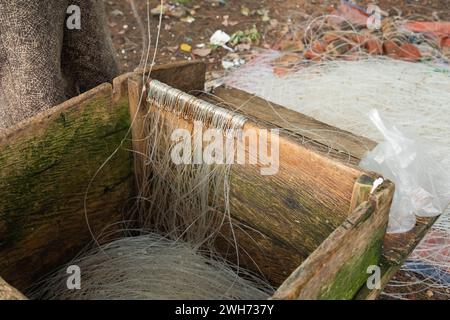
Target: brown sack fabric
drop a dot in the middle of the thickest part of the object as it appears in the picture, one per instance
(42, 62)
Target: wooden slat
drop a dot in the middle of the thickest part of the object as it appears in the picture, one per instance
(337, 269)
(263, 254)
(286, 210)
(287, 205)
(185, 76)
(46, 166)
(361, 190)
(339, 140)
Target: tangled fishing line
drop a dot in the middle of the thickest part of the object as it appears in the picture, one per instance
(153, 267)
(186, 201)
(414, 96)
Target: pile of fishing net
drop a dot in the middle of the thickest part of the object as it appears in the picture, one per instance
(350, 32)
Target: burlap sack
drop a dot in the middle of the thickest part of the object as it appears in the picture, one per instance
(42, 62)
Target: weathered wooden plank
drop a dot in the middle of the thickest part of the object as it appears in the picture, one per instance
(361, 190)
(9, 293)
(396, 249)
(337, 269)
(263, 254)
(58, 191)
(187, 76)
(138, 110)
(333, 138)
(288, 205)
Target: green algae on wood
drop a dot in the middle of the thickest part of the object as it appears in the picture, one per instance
(334, 269)
(353, 274)
(46, 166)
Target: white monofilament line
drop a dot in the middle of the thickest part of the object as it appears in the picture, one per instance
(413, 96)
(185, 201)
(153, 267)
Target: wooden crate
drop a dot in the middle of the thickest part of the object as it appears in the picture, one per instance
(312, 229)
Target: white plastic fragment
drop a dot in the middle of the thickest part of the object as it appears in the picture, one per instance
(422, 186)
(220, 38)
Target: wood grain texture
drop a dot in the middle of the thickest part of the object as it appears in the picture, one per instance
(287, 205)
(185, 76)
(349, 146)
(337, 269)
(361, 190)
(272, 259)
(46, 166)
(138, 110)
(9, 293)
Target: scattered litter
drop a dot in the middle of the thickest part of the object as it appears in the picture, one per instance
(232, 60)
(188, 19)
(220, 39)
(185, 47)
(227, 64)
(116, 13)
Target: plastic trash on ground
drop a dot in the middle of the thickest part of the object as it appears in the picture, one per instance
(220, 39)
(422, 186)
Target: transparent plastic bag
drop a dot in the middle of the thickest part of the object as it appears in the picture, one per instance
(422, 186)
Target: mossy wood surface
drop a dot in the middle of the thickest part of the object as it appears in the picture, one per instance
(396, 249)
(338, 268)
(57, 191)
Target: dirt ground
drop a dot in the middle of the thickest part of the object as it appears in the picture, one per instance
(128, 30)
(210, 15)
